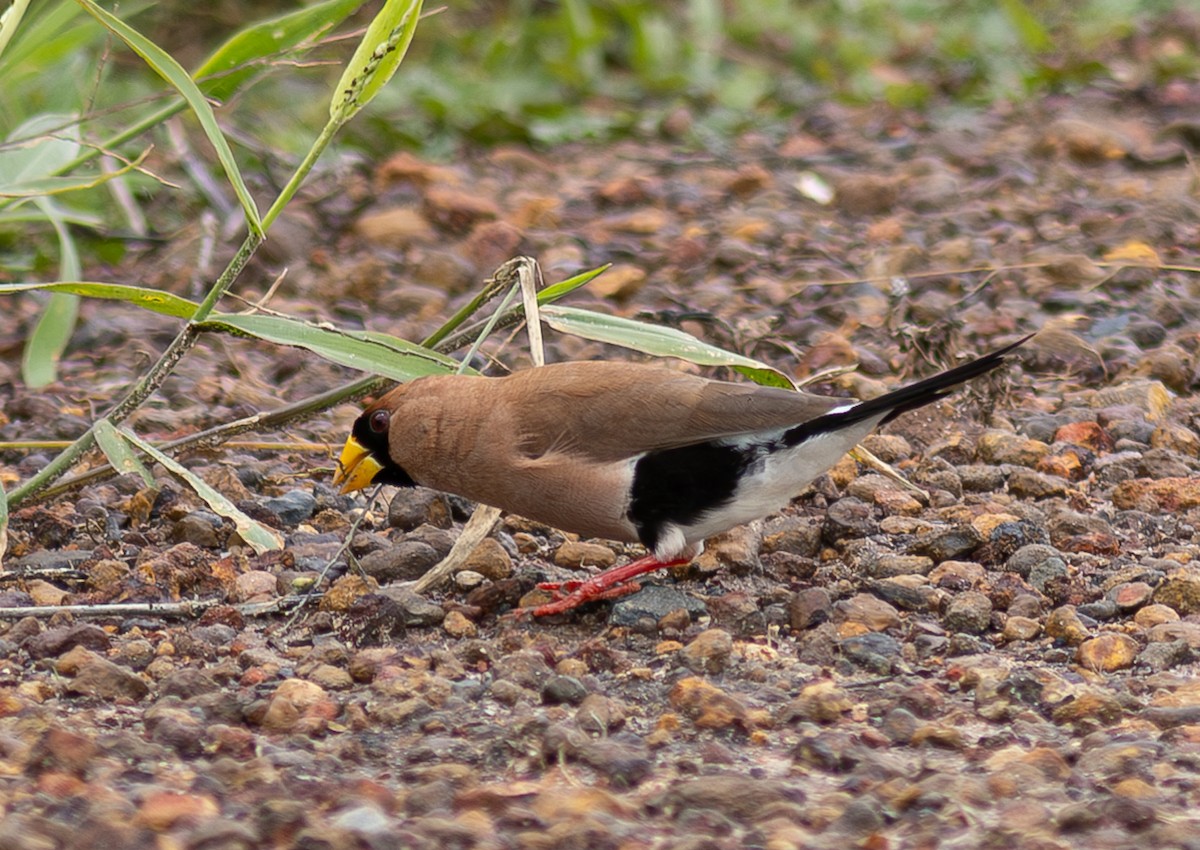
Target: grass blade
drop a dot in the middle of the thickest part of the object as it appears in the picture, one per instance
(369, 351)
(166, 67)
(657, 340)
(257, 536)
(39, 360)
(119, 454)
(376, 59)
(149, 299)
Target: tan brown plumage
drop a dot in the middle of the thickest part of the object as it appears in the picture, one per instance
(619, 450)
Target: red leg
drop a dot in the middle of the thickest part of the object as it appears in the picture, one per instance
(609, 584)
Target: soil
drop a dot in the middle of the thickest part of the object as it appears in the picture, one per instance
(1004, 656)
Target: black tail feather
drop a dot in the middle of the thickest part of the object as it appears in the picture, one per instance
(904, 399)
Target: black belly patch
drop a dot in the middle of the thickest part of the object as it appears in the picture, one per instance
(678, 486)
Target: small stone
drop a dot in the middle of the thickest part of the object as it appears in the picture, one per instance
(999, 447)
(405, 561)
(1021, 628)
(848, 518)
(490, 560)
(820, 702)
(873, 651)
(981, 478)
(969, 612)
(560, 690)
(412, 507)
(809, 607)
(1131, 595)
(1165, 655)
(890, 448)
(397, 228)
(957, 575)
(867, 612)
(946, 544)
(200, 528)
(1107, 652)
(1180, 591)
(1063, 624)
(56, 641)
(256, 586)
(1155, 614)
(653, 602)
(1023, 561)
(1177, 438)
(1028, 484)
(457, 625)
(1172, 494)
(599, 714)
(577, 554)
(292, 508)
(888, 565)
(411, 608)
(708, 706)
(100, 678)
(708, 652)
(1087, 434)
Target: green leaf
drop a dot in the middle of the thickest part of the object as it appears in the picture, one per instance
(376, 59)
(166, 67)
(150, 299)
(39, 361)
(259, 537)
(556, 291)
(368, 351)
(657, 340)
(235, 61)
(1029, 29)
(38, 149)
(118, 452)
(36, 187)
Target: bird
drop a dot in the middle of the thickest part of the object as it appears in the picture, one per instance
(623, 451)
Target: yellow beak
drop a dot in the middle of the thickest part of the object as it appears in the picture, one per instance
(356, 467)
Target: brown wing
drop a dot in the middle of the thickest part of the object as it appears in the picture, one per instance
(609, 411)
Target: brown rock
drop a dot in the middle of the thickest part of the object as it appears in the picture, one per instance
(867, 611)
(1131, 595)
(255, 586)
(708, 652)
(457, 625)
(708, 706)
(1164, 494)
(347, 590)
(599, 714)
(397, 228)
(456, 210)
(820, 702)
(1087, 434)
(577, 554)
(1180, 591)
(1177, 438)
(163, 810)
(1021, 628)
(809, 607)
(999, 447)
(1107, 652)
(490, 560)
(1154, 615)
(100, 678)
(1064, 624)
(620, 282)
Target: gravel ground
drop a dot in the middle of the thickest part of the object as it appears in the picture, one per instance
(1003, 657)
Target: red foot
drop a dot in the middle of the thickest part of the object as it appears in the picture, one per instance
(610, 584)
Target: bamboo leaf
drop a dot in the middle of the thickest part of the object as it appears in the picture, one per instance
(149, 299)
(235, 61)
(166, 67)
(376, 59)
(369, 351)
(257, 536)
(556, 291)
(119, 453)
(657, 340)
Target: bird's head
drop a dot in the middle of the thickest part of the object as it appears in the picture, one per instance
(366, 459)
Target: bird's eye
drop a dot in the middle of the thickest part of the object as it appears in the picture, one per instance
(379, 421)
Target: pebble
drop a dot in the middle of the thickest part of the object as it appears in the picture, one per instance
(457, 625)
(577, 555)
(1028, 484)
(1107, 652)
(200, 528)
(292, 508)
(808, 608)
(945, 544)
(599, 714)
(405, 561)
(1171, 494)
(490, 560)
(1180, 591)
(1021, 628)
(708, 652)
(1063, 624)
(708, 706)
(969, 612)
(999, 447)
(848, 518)
(653, 602)
(867, 612)
(560, 690)
(873, 651)
(415, 506)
